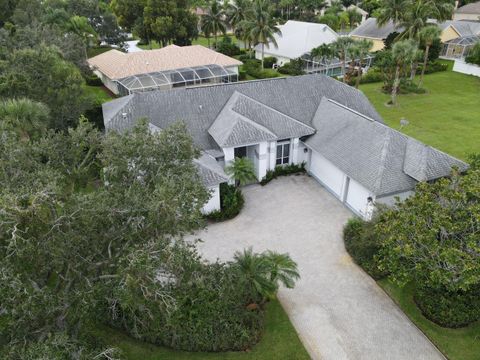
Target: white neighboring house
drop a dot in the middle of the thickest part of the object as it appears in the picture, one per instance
(297, 38)
(163, 69)
(315, 119)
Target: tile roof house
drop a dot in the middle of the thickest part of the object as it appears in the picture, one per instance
(468, 12)
(297, 38)
(315, 119)
(161, 68)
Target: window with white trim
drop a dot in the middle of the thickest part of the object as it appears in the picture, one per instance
(283, 153)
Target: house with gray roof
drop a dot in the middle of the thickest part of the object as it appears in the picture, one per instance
(315, 119)
(468, 12)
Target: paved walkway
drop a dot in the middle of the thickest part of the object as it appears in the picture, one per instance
(338, 310)
(132, 46)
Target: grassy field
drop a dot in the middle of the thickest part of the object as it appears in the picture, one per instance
(100, 93)
(280, 342)
(456, 344)
(201, 40)
(446, 117)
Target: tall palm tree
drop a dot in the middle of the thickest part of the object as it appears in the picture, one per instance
(342, 48)
(214, 21)
(363, 49)
(392, 10)
(427, 35)
(242, 170)
(403, 52)
(260, 29)
(237, 12)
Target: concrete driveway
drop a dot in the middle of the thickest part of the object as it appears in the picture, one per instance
(338, 311)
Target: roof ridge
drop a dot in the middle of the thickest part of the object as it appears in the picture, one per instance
(351, 110)
(275, 110)
(378, 182)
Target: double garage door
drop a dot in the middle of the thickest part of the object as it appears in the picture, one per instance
(339, 184)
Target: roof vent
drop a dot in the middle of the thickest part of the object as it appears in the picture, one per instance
(200, 107)
(124, 115)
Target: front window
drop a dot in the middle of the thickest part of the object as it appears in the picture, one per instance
(240, 152)
(283, 153)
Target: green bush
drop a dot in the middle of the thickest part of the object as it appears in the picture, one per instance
(253, 67)
(231, 203)
(226, 47)
(269, 61)
(293, 67)
(473, 56)
(432, 67)
(449, 309)
(363, 245)
(244, 57)
(206, 309)
(281, 171)
(93, 80)
(242, 75)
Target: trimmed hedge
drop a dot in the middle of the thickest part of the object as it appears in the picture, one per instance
(253, 67)
(363, 245)
(293, 68)
(231, 203)
(447, 309)
(269, 61)
(93, 80)
(281, 171)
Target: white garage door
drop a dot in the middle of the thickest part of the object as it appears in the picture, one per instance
(357, 197)
(327, 173)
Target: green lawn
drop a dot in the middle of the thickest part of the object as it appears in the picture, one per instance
(201, 40)
(456, 344)
(100, 93)
(280, 342)
(446, 117)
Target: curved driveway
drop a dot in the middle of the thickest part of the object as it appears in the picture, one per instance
(338, 310)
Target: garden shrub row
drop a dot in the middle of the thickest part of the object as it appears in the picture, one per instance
(253, 67)
(363, 245)
(281, 171)
(231, 203)
(449, 309)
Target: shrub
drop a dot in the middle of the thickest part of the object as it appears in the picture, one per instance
(449, 309)
(269, 61)
(281, 171)
(432, 67)
(242, 75)
(244, 57)
(231, 203)
(294, 67)
(363, 245)
(93, 80)
(226, 47)
(474, 55)
(253, 67)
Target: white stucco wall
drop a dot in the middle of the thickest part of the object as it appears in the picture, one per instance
(280, 60)
(464, 68)
(327, 173)
(471, 17)
(214, 202)
(109, 83)
(356, 197)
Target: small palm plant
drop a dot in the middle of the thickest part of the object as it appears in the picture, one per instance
(266, 271)
(403, 53)
(242, 170)
(428, 35)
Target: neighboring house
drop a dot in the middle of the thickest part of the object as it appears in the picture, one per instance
(163, 69)
(468, 12)
(450, 30)
(297, 38)
(315, 119)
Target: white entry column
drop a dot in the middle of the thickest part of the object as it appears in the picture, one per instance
(262, 155)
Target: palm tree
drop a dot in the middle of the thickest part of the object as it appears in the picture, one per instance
(213, 21)
(80, 26)
(237, 12)
(242, 170)
(255, 269)
(393, 10)
(427, 35)
(282, 269)
(354, 18)
(342, 48)
(24, 116)
(403, 52)
(363, 49)
(260, 29)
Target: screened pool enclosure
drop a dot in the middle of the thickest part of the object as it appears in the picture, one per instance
(458, 48)
(165, 80)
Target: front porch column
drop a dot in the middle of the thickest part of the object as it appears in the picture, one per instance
(272, 155)
(294, 149)
(262, 155)
(229, 157)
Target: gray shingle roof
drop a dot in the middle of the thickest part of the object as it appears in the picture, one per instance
(472, 8)
(244, 121)
(295, 97)
(464, 28)
(210, 171)
(378, 157)
(370, 29)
